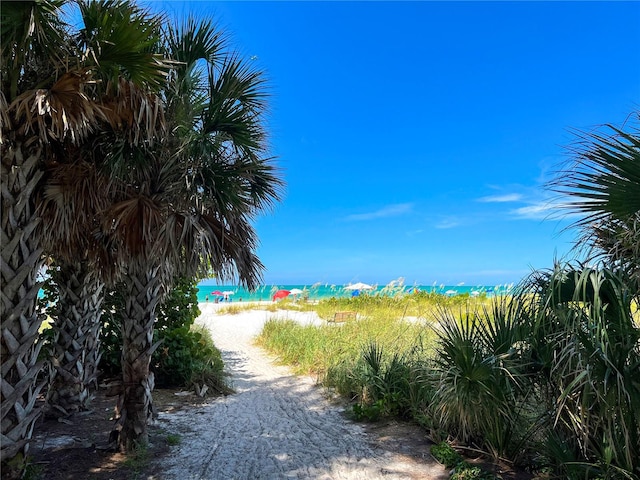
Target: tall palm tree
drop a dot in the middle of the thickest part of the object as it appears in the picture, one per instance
(184, 206)
(49, 104)
(29, 32)
(602, 184)
(118, 41)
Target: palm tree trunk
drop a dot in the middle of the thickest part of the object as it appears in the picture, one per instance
(20, 262)
(76, 351)
(137, 335)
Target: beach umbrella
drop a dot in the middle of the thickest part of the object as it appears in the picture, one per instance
(295, 291)
(217, 293)
(359, 286)
(228, 292)
(280, 294)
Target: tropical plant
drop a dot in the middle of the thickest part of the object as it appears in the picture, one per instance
(585, 349)
(32, 43)
(52, 100)
(186, 356)
(116, 40)
(385, 383)
(602, 185)
(480, 395)
(187, 206)
(73, 352)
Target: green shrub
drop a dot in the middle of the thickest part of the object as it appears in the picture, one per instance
(186, 356)
(481, 397)
(464, 471)
(584, 345)
(384, 383)
(445, 454)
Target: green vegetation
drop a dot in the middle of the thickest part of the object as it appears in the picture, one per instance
(137, 460)
(173, 439)
(446, 455)
(401, 305)
(185, 356)
(318, 350)
(546, 378)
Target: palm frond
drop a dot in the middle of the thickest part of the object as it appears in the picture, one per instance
(61, 112)
(30, 32)
(604, 180)
(72, 195)
(234, 115)
(194, 41)
(134, 113)
(121, 40)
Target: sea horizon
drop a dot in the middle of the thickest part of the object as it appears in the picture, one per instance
(320, 291)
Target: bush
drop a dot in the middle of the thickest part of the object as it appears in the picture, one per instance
(445, 454)
(186, 356)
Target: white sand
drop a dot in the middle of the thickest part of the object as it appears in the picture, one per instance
(277, 425)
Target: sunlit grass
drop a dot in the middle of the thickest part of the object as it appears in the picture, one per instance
(421, 305)
(397, 326)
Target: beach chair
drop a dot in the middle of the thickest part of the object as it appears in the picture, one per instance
(340, 317)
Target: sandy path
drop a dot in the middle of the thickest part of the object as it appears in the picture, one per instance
(277, 425)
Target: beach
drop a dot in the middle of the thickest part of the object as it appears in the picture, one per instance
(279, 425)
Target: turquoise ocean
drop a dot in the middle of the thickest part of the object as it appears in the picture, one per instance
(320, 291)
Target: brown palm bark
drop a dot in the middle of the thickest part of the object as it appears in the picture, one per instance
(20, 261)
(144, 293)
(76, 347)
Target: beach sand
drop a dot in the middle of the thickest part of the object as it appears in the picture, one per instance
(279, 425)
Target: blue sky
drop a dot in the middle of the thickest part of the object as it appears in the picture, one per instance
(416, 138)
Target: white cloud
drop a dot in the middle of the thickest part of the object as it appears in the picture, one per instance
(448, 223)
(542, 210)
(510, 197)
(388, 211)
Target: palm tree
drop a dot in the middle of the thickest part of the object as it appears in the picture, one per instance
(29, 30)
(49, 105)
(187, 206)
(118, 40)
(603, 186)
(75, 349)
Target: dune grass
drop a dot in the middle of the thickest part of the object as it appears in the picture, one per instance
(398, 325)
(315, 349)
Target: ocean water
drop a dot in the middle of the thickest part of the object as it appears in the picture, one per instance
(207, 292)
